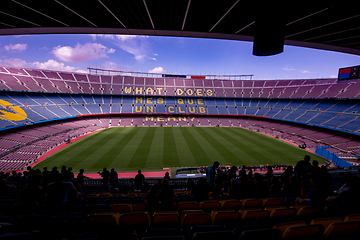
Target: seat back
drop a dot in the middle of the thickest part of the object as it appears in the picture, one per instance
(208, 206)
(266, 233)
(196, 219)
(271, 202)
(188, 205)
(135, 220)
(286, 225)
(121, 207)
(251, 203)
(255, 216)
(279, 215)
(103, 218)
(308, 213)
(326, 221)
(166, 219)
(226, 218)
(352, 217)
(342, 230)
(230, 204)
(184, 212)
(308, 232)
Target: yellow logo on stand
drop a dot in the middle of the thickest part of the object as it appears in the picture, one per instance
(8, 112)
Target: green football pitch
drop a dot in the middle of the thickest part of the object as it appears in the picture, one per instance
(155, 148)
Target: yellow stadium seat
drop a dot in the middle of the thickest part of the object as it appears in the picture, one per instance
(166, 219)
(352, 217)
(286, 225)
(184, 212)
(226, 218)
(342, 230)
(135, 220)
(326, 221)
(121, 207)
(307, 232)
(280, 215)
(208, 206)
(188, 205)
(196, 219)
(255, 216)
(230, 204)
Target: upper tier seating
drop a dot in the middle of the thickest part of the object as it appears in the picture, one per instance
(34, 80)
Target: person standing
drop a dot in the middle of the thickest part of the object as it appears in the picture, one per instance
(211, 172)
(113, 177)
(105, 174)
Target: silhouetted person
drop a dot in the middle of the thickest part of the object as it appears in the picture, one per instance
(80, 177)
(139, 180)
(105, 174)
(211, 172)
(32, 195)
(152, 198)
(167, 176)
(60, 192)
(201, 190)
(113, 177)
(166, 196)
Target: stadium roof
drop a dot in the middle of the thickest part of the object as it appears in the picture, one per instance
(329, 25)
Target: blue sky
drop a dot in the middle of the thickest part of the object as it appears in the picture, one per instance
(173, 55)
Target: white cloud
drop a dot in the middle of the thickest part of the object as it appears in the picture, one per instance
(53, 65)
(289, 69)
(16, 47)
(333, 76)
(157, 70)
(16, 62)
(81, 71)
(82, 52)
(133, 44)
(305, 71)
(110, 66)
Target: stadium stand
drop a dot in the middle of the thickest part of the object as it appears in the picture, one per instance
(323, 108)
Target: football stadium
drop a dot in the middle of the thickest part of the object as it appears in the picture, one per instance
(151, 156)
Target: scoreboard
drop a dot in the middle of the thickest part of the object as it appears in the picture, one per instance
(349, 73)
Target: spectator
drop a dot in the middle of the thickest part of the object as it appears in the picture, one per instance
(242, 172)
(53, 173)
(69, 175)
(301, 167)
(60, 192)
(32, 194)
(269, 173)
(314, 169)
(217, 189)
(105, 174)
(166, 196)
(167, 176)
(250, 173)
(80, 177)
(63, 169)
(211, 172)
(139, 180)
(113, 177)
(275, 185)
(201, 190)
(234, 191)
(152, 198)
(316, 196)
(349, 195)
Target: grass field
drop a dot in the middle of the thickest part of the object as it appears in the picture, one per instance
(152, 148)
